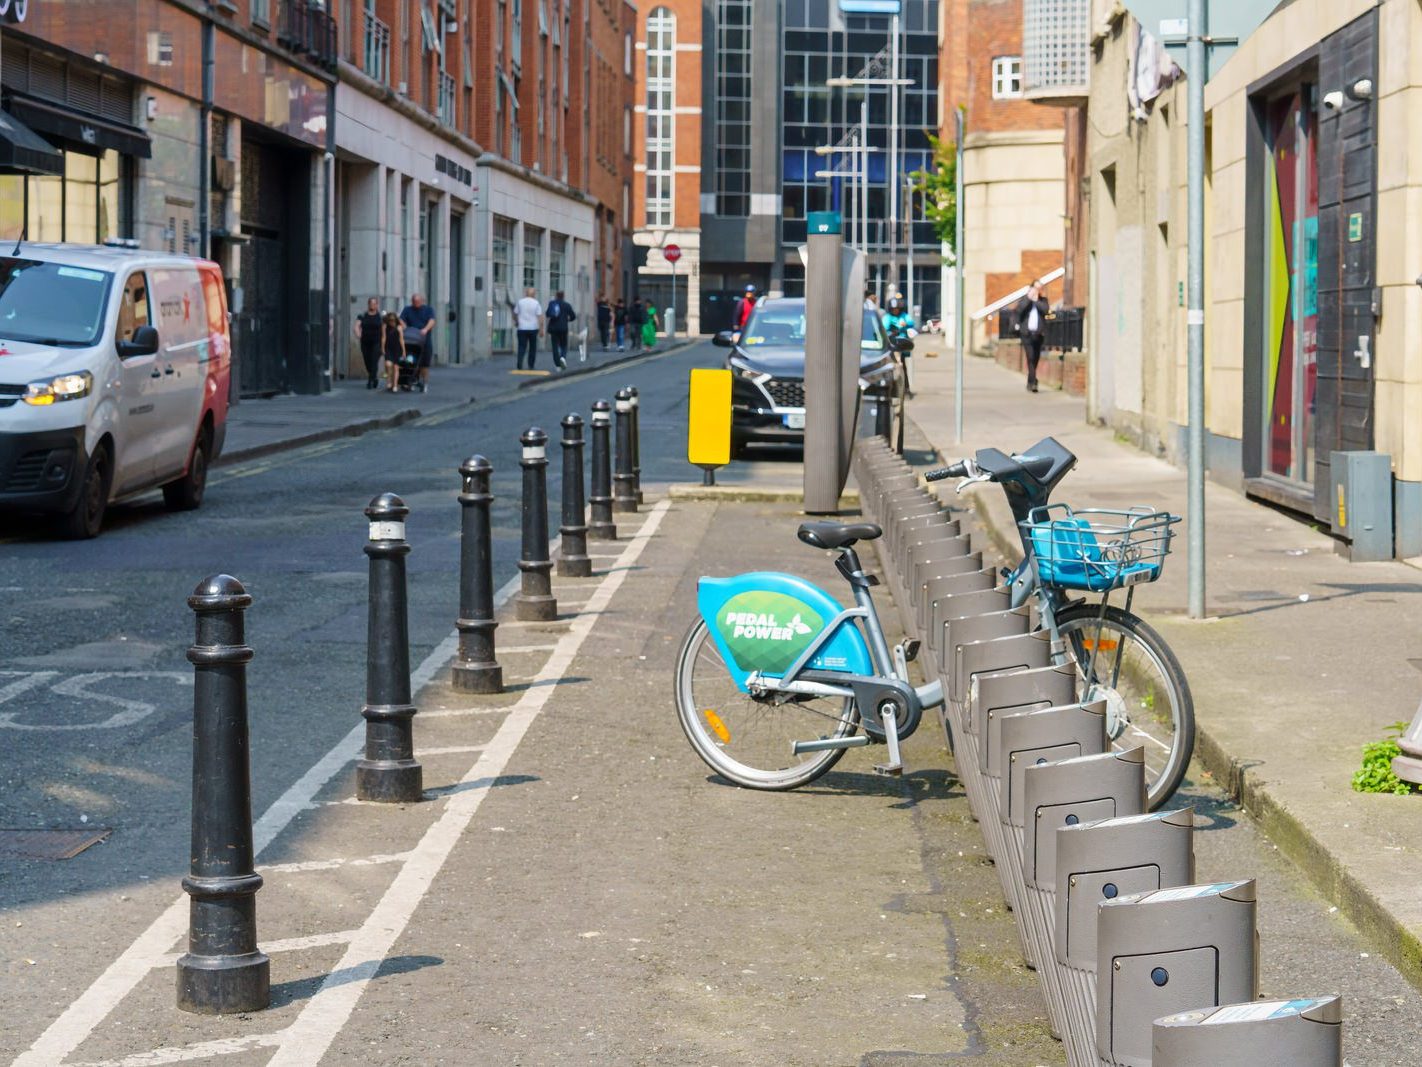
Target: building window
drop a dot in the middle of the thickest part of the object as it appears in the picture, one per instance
(262, 11)
(557, 261)
(733, 107)
(532, 256)
(503, 251)
(85, 205)
(661, 114)
(1007, 77)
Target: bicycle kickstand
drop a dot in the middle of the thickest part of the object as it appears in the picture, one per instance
(895, 766)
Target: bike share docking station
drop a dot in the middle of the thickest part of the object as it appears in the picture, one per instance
(1138, 964)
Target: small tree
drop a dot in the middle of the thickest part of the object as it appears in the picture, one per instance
(939, 191)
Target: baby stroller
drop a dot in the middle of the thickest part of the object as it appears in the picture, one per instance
(410, 365)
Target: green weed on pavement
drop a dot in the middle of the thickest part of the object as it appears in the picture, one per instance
(1376, 775)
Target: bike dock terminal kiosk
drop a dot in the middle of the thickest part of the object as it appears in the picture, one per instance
(708, 429)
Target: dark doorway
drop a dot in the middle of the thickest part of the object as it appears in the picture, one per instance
(456, 288)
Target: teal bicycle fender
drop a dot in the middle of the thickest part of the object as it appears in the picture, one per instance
(764, 621)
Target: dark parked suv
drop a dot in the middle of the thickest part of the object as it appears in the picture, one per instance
(767, 360)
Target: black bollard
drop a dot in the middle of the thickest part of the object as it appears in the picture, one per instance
(476, 670)
(573, 561)
(601, 528)
(222, 972)
(636, 399)
(624, 493)
(388, 773)
(534, 601)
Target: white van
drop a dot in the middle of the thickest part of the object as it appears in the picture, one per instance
(114, 371)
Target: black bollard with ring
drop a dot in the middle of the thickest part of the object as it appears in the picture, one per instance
(624, 492)
(388, 773)
(636, 399)
(573, 561)
(534, 602)
(222, 972)
(601, 527)
(476, 670)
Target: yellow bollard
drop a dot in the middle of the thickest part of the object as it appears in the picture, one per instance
(708, 431)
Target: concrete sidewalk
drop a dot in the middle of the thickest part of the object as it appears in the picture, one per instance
(1305, 658)
(258, 427)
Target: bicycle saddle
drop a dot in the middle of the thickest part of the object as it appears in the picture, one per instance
(837, 534)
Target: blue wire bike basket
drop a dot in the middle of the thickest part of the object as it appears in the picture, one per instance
(1099, 549)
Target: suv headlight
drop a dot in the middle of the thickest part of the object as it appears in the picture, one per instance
(60, 388)
(744, 370)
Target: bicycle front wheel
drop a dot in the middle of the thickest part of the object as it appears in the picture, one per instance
(745, 739)
(1126, 663)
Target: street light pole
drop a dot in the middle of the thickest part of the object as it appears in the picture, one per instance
(892, 176)
(864, 175)
(1195, 63)
(960, 320)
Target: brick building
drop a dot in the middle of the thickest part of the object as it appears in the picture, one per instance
(1013, 176)
(666, 133)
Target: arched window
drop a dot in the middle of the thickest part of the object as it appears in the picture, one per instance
(661, 115)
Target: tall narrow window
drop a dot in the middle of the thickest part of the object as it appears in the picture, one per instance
(733, 107)
(1007, 77)
(661, 115)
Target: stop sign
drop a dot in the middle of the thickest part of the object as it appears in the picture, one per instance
(671, 253)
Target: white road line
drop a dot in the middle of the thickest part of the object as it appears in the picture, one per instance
(453, 713)
(448, 750)
(308, 1039)
(93, 1006)
(288, 944)
(334, 863)
(201, 1051)
(527, 648)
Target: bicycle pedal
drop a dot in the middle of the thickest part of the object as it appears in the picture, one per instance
(889, 770)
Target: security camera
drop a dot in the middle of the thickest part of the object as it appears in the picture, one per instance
(1362, 89)
(1333, 101)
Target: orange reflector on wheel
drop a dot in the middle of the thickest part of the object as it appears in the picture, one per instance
(1109, 644)
(717, 726)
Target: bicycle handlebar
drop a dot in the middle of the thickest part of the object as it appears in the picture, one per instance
(955, 470)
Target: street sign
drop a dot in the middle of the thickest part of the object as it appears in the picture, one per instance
(671, 253)
(1227, 24)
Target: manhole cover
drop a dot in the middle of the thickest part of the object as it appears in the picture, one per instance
(50, 844)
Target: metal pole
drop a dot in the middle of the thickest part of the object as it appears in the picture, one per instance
(636, 400)
(223, 971)
(960, 320)
(824, 395)
(475, 669)
(573, 561)
(602, 527)
(624, 482)
(1195, 64)
(891, 175)
(388, 772)
(864, 176)
(908, 247)
(534, 602)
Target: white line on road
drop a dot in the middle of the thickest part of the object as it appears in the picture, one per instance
(308, 1039)
(448, 750)
(454, 713)
(93, 1006)
(201, 1051)
(287, 944)
(333, 864)
(527, 648)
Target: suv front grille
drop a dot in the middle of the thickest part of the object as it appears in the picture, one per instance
(786, 393)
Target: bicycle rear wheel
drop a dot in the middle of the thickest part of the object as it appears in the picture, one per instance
(747, 740)
(1126, 663)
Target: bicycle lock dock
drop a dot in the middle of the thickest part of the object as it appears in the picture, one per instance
(1138, 964)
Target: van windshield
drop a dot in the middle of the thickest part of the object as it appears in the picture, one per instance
(51, 303)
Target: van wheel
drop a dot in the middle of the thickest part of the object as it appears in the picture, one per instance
(186, 493)
(86, 518)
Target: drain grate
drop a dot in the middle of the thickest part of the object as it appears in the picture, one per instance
(50, 844)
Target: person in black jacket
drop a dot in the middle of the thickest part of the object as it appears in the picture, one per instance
(619, 320)
(1031, 322)
(604, 322)
(636, 319)
(559, 317)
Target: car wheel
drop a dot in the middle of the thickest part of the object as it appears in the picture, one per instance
(186, 493)
(86, 518)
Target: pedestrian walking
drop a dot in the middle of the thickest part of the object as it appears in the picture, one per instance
(393, 347)
(871, 303)
(619, 321)
(559, 316)
(1031, 322)
(420, 316)
(367, 332)
(650, 327)
(528, 318)
(604, 321)
(636, 320)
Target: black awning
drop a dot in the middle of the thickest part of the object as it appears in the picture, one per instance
(22, 151)
(81, 131)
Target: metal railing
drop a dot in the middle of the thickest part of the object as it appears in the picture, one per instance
(1063, 330)
(308, 30)
(377, 50)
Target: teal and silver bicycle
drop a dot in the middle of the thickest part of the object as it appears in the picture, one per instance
(774, 675)
(1067, 556)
